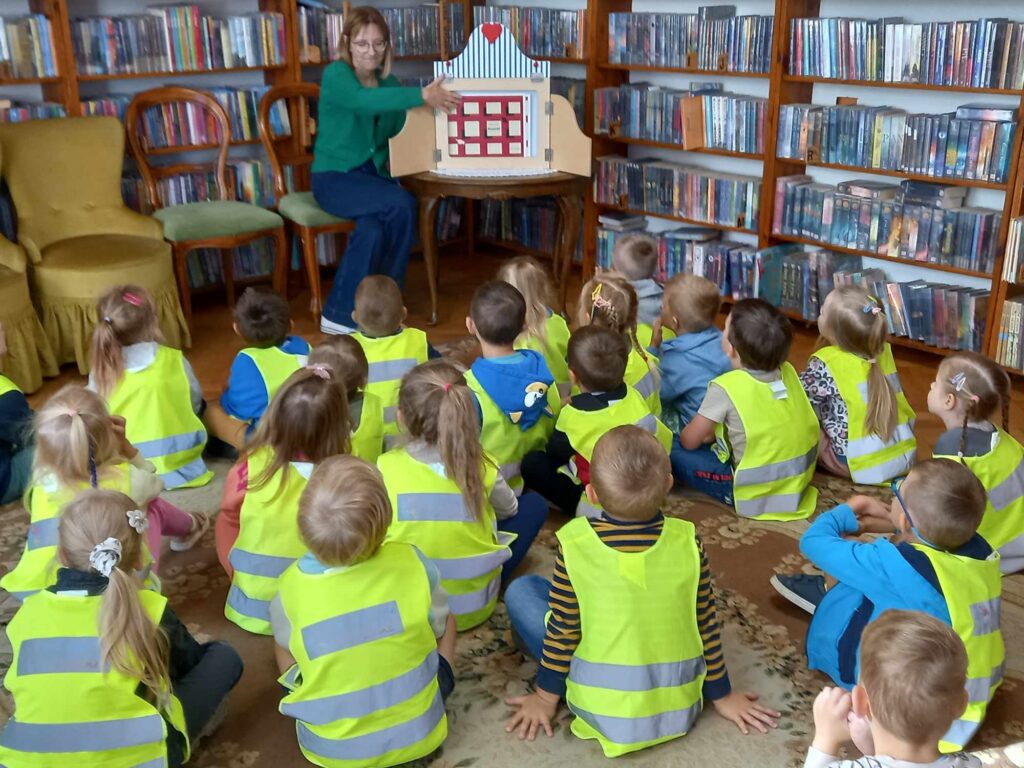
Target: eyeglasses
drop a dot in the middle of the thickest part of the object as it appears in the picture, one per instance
(364, 45)
(895, 486)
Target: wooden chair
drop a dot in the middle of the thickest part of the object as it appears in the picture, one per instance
(304, 217)
(221, 224)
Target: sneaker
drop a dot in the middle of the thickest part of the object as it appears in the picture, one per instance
(802, 590)
(215, 721)
(334, 329)
(200, 524)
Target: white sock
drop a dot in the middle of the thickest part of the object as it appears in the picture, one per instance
(335, 329)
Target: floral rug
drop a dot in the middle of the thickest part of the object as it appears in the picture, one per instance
(763, 637)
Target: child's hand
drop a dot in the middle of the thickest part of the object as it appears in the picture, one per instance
(872, 514)
(743, 710)
(831, 712)
(535, 710)
(860, 733)
(656, 333)
(125, 448)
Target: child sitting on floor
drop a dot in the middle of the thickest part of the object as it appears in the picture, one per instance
(357, 619)
(627, 631)
(911, 689)
(16, 443)
(635, 257)
(970, 394)
(759, 417)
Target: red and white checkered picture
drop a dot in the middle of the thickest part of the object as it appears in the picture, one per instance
(489, 125)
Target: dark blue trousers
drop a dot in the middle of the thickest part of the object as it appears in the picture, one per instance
(385, 217)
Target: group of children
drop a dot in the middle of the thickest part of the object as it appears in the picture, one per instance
(382, 498)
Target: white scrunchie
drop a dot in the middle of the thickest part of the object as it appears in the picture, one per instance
(137, 519)
(105, 556)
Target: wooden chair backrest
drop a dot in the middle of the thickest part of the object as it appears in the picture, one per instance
(295, 150)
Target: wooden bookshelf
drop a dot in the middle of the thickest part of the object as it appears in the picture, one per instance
(679, 148)
(899, 85)
(683, 71)
(671, 217)
(950, 180)
(181, 73)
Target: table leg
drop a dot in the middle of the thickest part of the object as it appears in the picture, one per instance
(570, 212)
(428, 240)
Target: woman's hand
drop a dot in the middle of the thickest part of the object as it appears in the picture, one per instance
(437, 96)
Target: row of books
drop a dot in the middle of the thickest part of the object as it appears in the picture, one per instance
(415, 31)
(1010, 342)
(1013, 262)
(986, 53)
(909, 221)
(574, 89)
(176, 38)
(18, 112)
(532, 223)
(975, 142)
(540, 32)
(320, 30)
(662, 188)
(26, 47)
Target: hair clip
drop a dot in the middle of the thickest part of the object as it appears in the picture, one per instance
(975, 399)
(874, 306)
(447, 386)
(320, 370)
(958, 381)
(107, 320)
(105, 556)
(872, 360)
(132, 298)
(137, 519)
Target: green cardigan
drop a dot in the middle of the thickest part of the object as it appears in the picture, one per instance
(346, 134)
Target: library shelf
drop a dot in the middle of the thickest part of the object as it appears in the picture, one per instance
(946, 180)
(671, 217)
(683, 70)
(180, 148)
(901, 86)
(909, 343)
(882, 256)
(4, 81)
(183, 73)
(679, 147)
(561, 60)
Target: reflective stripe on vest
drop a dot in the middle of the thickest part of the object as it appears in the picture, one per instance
(390, 370)
(342, 632)
(642, 731)
(642, 377)
(468, 603)
(780, 470)
(183, 476)
(250, 607)
(165, 445)
(53, 655)
(432, 507)
(95, 736)
(986, 616)
(43, 533)
(390, 414)
(979, 689)
(637, 677)
(892, 378)
(257, 564)
(1008, 491)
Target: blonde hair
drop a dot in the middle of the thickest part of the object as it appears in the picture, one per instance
(308, 416)
(914, 670)
(694, 301)
(126, 315)
(437, 406)
(635, 256)
(984, 389)
(345, 356)
(74, 436)
(856, 324)
(629, 470)
(355, 20)
(344, 511)
(527, 276)
(946, 502)
(129, 640)
(378, 305)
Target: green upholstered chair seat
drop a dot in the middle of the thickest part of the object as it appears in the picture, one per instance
(86, 266)
(301, 208)
(214, 218)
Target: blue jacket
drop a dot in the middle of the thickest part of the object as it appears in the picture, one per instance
(15, 432)
(688, 363)
(649, 295)
(515, 382)
(245, 396)
(873, 577)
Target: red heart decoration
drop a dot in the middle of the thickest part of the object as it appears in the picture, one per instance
(491, 31)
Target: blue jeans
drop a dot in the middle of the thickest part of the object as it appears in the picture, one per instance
(526, 600)
(385, 217)
(533, 511)
(701, 470)
(21, 474)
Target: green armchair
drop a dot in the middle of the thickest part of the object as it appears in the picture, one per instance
(25, 354)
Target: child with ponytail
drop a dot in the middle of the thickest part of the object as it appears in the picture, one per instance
(449, 499)
(609, 300)
(151, 386)
(867, 425)
(546, 330)
(80, 445)
(971, 394)
(257, 531)
(104, 672)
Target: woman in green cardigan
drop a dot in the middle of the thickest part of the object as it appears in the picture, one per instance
(362, 105)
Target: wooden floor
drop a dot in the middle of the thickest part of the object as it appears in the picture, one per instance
(214, 344)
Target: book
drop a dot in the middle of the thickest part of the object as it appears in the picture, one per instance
(541, 32)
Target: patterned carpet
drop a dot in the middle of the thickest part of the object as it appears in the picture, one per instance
(763, 638)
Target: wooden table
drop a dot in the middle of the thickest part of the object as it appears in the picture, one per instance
(567, 190)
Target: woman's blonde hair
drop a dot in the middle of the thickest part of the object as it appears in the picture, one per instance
(980, 386)
(126, 315)
(75, 437)
(344, 511)
(437, 406)
(856, 324)
(345, 356)
(527, 276)
(609, 300)
(355, 20)
(308, 417)
(129, 640)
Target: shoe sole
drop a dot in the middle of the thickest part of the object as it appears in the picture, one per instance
(792, 596)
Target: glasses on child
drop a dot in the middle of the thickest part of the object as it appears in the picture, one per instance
(364, 45)
(895, 485)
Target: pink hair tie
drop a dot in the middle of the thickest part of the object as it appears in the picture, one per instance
(70, 412)
(132, 298)
(320, 370)
(447, 386)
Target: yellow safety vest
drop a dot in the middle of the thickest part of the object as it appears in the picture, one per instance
(70, 711)
(390, 358)
(268, 541)
(6, 385)
(645, 334)
(635, 679)
(1001, 471)
(505, 441)
(773, 479)
(368, 437)
(972, 589)
(364, 686)
(872, 460)
(274, 366)
(554, 348)
(430, 513)
(159, 420)
(641, 377)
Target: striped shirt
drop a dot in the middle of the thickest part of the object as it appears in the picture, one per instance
(562, 635)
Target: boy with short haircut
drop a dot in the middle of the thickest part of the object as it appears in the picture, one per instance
(392, 349)
(635, 257)
(615, 615)
(689, 362)
(759, 418)
(263, 319)
(597, 365)
(911, 689)
(939, 565)
(514, 388)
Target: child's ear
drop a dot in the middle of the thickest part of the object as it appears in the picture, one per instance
(861, 703)
(573, 378)
(592, 495)
(950, 402)
(470, 325)
(291, 327)
(669, 482)
(405, 314)
(238, 333)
